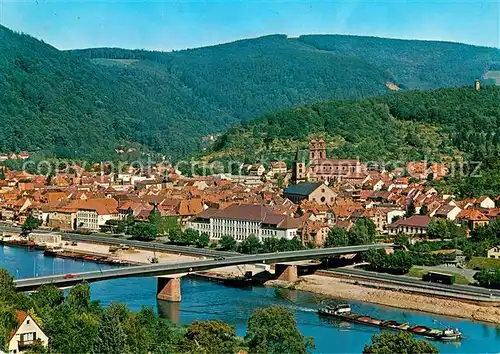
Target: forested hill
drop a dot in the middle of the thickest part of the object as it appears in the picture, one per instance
(253, 76)
(59, 104)
(442, 125)
(88, 102)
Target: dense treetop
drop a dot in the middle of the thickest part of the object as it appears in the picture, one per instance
(87, 103)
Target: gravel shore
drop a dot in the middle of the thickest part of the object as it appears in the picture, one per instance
(334, 287)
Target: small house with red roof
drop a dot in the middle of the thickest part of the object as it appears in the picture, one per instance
(472, 218)
(27, 334)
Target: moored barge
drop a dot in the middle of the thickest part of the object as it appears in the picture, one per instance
(61, 253)
(343, 312)
(18, 243)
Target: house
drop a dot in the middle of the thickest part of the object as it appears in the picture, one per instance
(278, 167)
(378, 216)
(494, 252)
(399, 183)
(24, 155)
(312, 191)
(417, 169)
(27, 334)
(472, 218)
(415, 225)
(257, 170)
(242, 220)
(314, 232)
(485, 202)
(62, 219)
(93, 213)
(446, 211)
(493, 214)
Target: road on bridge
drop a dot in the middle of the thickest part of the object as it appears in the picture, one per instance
(191, 266)
(115, 239)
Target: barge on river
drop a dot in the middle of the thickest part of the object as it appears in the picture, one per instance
(343, 312)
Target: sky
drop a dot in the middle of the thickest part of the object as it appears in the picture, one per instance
(179, 24)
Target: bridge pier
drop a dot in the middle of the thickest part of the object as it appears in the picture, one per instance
(169, 289)
(286, 272)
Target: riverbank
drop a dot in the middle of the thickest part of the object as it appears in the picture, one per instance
(334, 287)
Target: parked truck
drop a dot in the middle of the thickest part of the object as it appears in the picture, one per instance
(437, 277)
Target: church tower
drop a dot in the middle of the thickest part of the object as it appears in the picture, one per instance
(317, 150)
(300, 170)
(477, 85)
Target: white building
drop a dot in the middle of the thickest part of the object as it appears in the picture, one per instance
(27, 334)
(278, 167)
(257, 170)
(486, 202)
(243, 220)
(494, 252)
(91, 219)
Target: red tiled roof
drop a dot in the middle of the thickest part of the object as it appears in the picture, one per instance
(413, 221)
(472, 214)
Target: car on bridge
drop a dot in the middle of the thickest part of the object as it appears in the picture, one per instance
(69, 276)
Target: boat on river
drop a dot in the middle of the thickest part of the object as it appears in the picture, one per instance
(344, 312)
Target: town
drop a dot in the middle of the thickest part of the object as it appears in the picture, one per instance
(319, 196)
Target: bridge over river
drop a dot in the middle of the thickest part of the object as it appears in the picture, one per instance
(169, 287)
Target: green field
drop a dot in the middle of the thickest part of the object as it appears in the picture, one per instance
(483, 262)
(418, 272)
(494, 75)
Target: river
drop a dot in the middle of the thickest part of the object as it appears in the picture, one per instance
(205, 300)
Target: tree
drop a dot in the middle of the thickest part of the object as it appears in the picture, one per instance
(271, 245)
(7, 287)
(191, 236)
(488, 278)
(251, 245)
(30, 224)
(337, 237)
(410, 210)
(399, 262)
(401, 342)
(79, 297)
(164, 224)
(203, 240)
(148, 333)
(47, 298)
(143, 231)
(71, 328)
(280, 182)
(207, 337)
(402, 239)
(273, 330)
(111, 338)
(423, 210)
(227, 243)
(445, 229)
(362, 233)
(8, 323)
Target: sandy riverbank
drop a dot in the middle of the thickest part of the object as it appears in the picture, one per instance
(334, 287)
(135, 256)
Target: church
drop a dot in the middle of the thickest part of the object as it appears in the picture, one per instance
(321, 168)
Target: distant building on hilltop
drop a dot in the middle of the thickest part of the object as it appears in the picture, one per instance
(477, 85)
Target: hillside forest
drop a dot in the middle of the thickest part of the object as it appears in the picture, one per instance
(89, 103)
